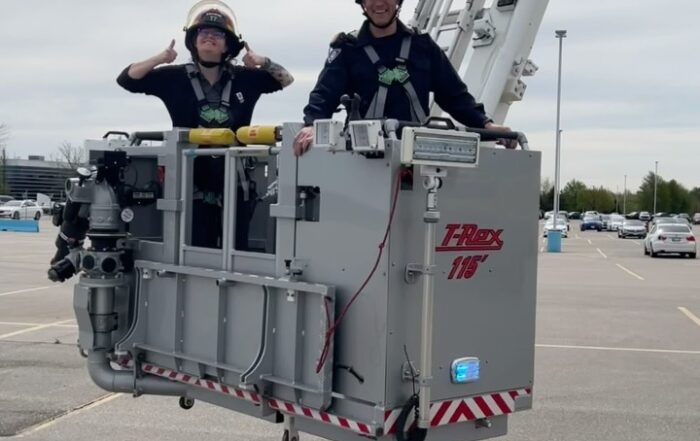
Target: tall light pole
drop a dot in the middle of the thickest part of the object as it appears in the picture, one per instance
(624, 199)
(656, 178)
(560, 34)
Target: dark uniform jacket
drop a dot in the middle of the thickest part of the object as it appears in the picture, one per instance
(349, 70)
(172, 85)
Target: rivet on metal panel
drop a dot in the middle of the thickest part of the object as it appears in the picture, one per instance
(291, 295)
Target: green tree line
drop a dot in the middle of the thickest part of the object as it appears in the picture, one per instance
(671, 197)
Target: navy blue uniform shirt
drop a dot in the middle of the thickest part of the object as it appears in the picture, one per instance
(349, 70)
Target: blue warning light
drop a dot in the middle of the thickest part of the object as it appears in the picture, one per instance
(466, 370)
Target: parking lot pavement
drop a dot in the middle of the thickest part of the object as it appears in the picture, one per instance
(617, 355)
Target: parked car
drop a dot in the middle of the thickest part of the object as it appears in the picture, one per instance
(685, 217)
(670, 238)
(591, 223)
(696, 218)
(575, 215)
(562, 226)
(632, 215)
(666, 220)
(550, 213)
(21, 210)
(644, 216)
(591, 213)
(605, 219)
(615, 222)
(632, 228)
(4, 199)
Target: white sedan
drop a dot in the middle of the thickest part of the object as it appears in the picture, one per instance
(20, 210)
(670, 238)
(562, 227)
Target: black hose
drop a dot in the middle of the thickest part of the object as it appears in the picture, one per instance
(414, 433)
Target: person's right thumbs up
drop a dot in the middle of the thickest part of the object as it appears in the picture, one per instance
(169, 54)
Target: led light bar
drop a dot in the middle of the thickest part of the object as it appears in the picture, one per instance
(442, 148)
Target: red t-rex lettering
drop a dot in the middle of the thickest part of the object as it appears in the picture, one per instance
(469, 237)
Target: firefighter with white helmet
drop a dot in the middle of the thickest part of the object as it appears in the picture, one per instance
(212, 91)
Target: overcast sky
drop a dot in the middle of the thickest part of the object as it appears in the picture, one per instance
(630, 96)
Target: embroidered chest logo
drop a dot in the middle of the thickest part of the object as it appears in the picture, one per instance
(399, 74)
(216, 115)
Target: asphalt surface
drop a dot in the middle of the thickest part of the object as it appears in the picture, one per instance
(617, 356)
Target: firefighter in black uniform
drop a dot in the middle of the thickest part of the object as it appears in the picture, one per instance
(210, 92)
(393, 70)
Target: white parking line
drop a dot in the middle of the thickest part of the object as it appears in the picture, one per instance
(34, 324)
(630, 272)
(601, 348)
(590, 242)
(3, 294)
(91, 405)
(34, 328)
(690, 315)
(602, 253)
(610, 236)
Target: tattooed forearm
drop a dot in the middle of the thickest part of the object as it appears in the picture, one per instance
(279, 73)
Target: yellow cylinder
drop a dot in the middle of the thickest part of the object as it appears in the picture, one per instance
(212, 137)
(265, 135)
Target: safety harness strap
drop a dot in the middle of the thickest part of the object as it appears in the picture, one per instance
(378, 103)
(196, 85)
(199, 91)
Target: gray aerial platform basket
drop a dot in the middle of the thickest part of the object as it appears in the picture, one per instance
(445, 323)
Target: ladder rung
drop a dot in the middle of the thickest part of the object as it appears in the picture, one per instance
(447, 28)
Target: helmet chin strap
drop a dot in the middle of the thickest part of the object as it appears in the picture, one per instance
(210, 64)
(393, 19)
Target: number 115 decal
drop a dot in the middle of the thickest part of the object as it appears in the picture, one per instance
(469, 238)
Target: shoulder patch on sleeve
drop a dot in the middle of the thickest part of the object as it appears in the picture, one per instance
(333, 54)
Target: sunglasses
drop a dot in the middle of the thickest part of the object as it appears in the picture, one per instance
(210, 32)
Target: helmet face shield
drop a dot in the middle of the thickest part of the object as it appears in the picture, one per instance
(213, 13)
